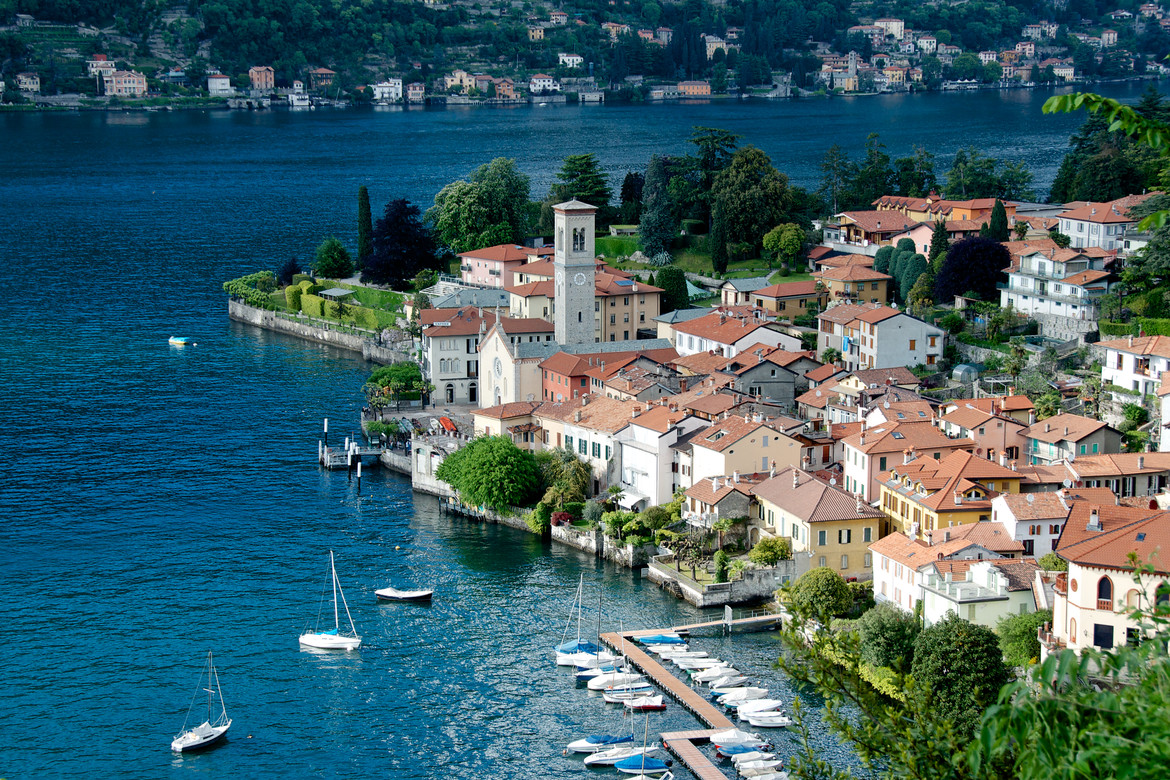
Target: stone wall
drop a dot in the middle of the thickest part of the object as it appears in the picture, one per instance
(269, 320)
(754, 584)
(1055, 326)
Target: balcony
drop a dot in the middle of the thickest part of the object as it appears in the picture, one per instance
(1105, 605)
(1046, 295)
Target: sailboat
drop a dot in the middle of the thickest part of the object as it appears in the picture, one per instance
(211, 730)
(581, 652)
(642, 764)
(333, 638)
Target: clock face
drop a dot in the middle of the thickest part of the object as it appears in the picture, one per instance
(560, 278)
(498, 367)
(579, 279)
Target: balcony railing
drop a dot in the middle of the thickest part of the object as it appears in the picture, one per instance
(1105, 605)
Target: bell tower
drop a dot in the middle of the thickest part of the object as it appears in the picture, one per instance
(575, 266)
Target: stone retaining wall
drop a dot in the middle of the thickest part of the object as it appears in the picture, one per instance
(754, 584)
(261, 318)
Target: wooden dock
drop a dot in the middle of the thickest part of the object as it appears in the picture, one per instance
(680, 743)
(755, 621)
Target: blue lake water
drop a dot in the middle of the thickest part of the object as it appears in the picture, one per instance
(160, 501)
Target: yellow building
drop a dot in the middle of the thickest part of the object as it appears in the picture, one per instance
(925, 495)
(855, 283)
(791, 299)
(835, 527)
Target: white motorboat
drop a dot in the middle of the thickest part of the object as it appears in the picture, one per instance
(667, 649)
(645, 703)
(394, 594)
(758, 705)
(726, 684)
(752, 755)
(670, 655)
(737, 696)
(698, 663)
(595, 743)
(585, 658)
(766, 774)
(713, 673)
(770, 763)
(588, 674)
(603, 681)
(613, 755)
(215, 726)
(735, 737)
(623, 693)
(333, 638)
(769, 720)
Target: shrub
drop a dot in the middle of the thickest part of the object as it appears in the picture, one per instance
(721, 559)
(574, 508)
(1018, 636)
(592, 513)
(662, 536)
(821, 593)
(770, 550)
(539, 520)
(887, 637)
(561, 518)
(292, 295)
(959, 669)
(655, 517)
(312, 305)
(660, 260)
(1050, 561)
(297, 279)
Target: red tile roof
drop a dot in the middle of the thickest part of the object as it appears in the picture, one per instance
(852, 273)
(1111, 212)
(1063, 427)
(1140, 345)
(812, 500)
(787, 290)
(507, 253)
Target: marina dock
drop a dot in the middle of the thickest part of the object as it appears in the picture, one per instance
(682, 744)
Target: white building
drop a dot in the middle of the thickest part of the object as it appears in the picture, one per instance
(900, 564)
(728, 332)
(649, 475)
(1099, 224)
(542, 82)
(1061, 282)
(1136, 363)
(570, 60)
(219, 85)
(888, 337)
(1091, 598)
(1033, 519)
(979, 591)
(388, 91)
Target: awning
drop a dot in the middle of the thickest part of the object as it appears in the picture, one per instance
(631, 497)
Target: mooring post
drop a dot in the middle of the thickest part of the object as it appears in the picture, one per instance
(326, 430)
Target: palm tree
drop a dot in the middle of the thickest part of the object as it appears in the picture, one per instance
(615, 493)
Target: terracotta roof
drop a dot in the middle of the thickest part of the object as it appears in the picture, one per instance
(720, 328)
(896, 437)
(847, 312)
(712, 405)
(818, 252)
(1140, 345)
(816, 397)
(530, 289)
(839, 261)
(704, 490)
(875, 316)
(906, 411)
(726, 433)
(1125, 531)
(701, 362)
(1020, 574)
(507, 253)
(993, 536)
(879, 221)
(1026, 507)
(1119, 464)
(824, 373)
(916, 553)
(598, 413)
(1086, 277)
(812, 500)
(1063, 427)
(956, 474)
(508, 410)
(852, 273)
(658, 418)
(1110, 212)
(787, 290)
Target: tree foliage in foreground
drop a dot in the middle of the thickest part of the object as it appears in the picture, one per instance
(491, 471)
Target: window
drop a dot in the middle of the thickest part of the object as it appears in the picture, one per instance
(1082, 449)
(867, 536)
(913, 344)
(845, 536)
(796, 532)
(868, 562)
(764, 463)
(613, 319)
(607, 451)
(822, 539)
(844, 561)
(822, 562)
(873, 285)
(881, 467)
(934, 341)
(582, 446)
(568, 442)
(596, 450)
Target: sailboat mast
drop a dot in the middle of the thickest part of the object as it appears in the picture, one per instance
(333, 572)
(580, 607)
(210, 672)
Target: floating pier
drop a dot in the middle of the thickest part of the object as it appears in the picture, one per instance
(681, 744)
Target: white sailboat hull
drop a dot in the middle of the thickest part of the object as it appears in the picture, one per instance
(585, 660)
(201, 736)
(603, 681)
(614, 755)
(331, 641)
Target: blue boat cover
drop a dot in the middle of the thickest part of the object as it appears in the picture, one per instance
(733, 750)
(577, 646)
(644, 763)
(608, 739)
(659, 639)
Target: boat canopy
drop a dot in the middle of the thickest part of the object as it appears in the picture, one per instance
(577, 646)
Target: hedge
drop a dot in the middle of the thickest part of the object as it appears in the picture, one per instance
(365, 318)
(1154, 327)
(1116, 328)
(312, 305)
(298, 278)
(292, 294)
(254, 289)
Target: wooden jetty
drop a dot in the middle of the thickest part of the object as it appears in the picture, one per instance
(681, 744)
(340, 458)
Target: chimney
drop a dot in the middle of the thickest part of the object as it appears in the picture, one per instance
(1131, 340)
(1047, 427)
(947, 535)
(858, 497)
(1013, 465)
(746, 417)
(1031, 416)
(1094, 520)
(958, 498)
(577, 416)
(772, 471)
(862, 439)
(585, 400)
(1066, 430)
(795, 478)
(1003, 459)
(682, 384)
(714, 485)
(634, 412)
(1141, 462)
(735, 476)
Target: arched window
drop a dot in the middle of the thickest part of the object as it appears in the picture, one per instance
(1133, 598)
(472, 393)
(1105, 593)
(450, 393)
(1072, 632)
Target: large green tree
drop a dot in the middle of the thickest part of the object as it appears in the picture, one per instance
(752, 196)
(659, 223)
(333, 260)
(490, 209)
(581, 177)
(887, 636)
(491, 471)
(821, 592)
(972, 264)
(402, 246)
(997, 228)
(673, 282)
(959, 669)
(1018, 636)
(940, 241)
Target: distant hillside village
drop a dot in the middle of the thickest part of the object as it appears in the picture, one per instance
(464, 52)
(941, 495)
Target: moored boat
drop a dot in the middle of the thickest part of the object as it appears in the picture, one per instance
(645, 703)
(394, 594)
(333, 638)
(595, 743)
(215, 726)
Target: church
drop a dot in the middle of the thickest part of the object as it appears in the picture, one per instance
(510, 368)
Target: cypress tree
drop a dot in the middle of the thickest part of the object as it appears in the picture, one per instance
(365, 227)
(718, 239)
(940, 242)
(998, 229)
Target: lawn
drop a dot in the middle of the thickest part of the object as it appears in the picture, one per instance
(616, 246)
